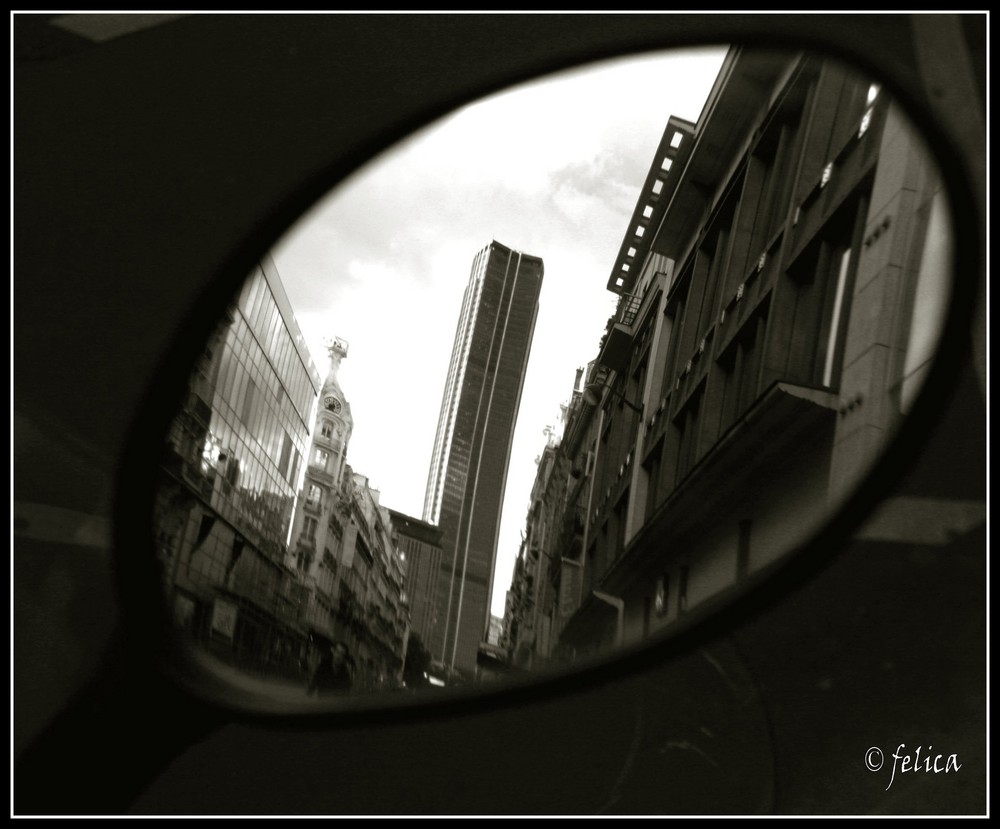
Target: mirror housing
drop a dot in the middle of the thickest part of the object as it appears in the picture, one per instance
(802, 399)
(210, 202)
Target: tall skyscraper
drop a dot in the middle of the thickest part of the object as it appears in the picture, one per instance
(468, 473)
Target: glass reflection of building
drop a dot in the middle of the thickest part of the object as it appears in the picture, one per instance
(232, 466)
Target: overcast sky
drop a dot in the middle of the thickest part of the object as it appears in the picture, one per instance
(552, 169)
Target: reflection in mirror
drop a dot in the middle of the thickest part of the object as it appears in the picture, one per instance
(702, 391)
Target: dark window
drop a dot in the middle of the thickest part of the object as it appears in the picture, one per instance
(741, 367)
(687, 435)
(591, 565)
(248, 401)
(309, 528)
(313, 498)
(652, 482)
(286, 454)
(813, 333)
(618, 540)
(662, 602)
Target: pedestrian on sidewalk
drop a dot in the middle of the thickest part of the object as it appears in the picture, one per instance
(333, 673)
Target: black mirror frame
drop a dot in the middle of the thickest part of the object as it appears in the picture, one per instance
(146, 649)
(138, 481)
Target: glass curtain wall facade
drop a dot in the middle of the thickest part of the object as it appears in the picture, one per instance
(231, 472)
(468, 471)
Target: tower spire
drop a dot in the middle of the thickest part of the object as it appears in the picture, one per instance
(336, 348)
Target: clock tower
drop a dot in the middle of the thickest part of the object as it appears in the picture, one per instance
(332, 431)
(317, 530)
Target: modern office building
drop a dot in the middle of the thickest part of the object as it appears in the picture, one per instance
(419, 545)
(272, 547)
(231, 470)
(468, 472)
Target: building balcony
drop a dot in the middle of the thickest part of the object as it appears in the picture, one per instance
(617, 478)
(313, 507)
(329, 442)
(323, 590)
(319, 474)
(784, 419)
(353, 582)
(570, 543)
(616, 347)
(769, 437)
(318, 618)
(359, 518)
(347, 607)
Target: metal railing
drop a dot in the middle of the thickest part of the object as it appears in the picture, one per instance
(628, 307)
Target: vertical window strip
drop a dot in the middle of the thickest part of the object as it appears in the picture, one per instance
(838, 302)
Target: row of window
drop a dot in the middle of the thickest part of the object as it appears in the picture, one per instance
(735, 324)
(258, 306)
(760, 294)
(213, 555)
(246, 395)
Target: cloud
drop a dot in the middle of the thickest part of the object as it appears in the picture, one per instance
(552, 169)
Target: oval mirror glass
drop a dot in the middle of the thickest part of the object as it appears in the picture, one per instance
(553, 376)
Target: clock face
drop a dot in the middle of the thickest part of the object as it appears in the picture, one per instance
(332, 404)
